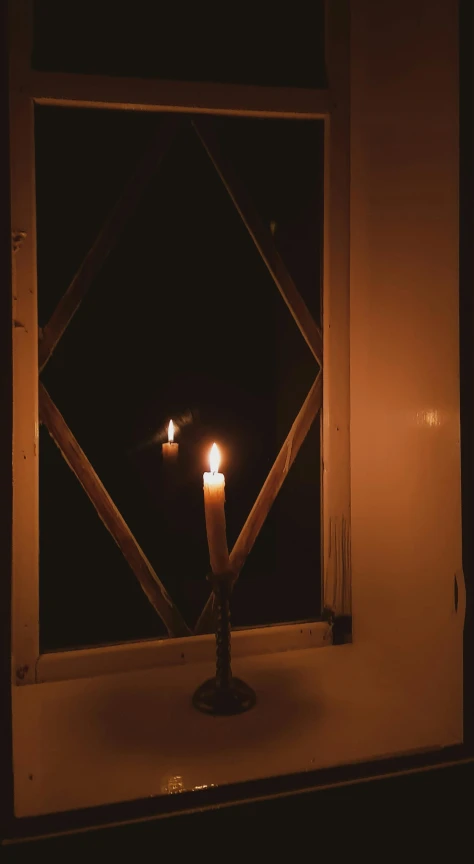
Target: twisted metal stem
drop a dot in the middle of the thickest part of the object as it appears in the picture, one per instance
(222, 590)
(223, 694)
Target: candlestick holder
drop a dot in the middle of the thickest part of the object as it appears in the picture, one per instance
(223, 694)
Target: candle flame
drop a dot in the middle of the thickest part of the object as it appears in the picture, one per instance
(214, 459)
(171, 432)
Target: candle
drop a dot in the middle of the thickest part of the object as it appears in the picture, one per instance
(170, 450)
(214, 497)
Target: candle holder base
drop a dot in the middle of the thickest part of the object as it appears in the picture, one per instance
(224, 701)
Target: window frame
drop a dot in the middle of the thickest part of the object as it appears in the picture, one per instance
(30, 87)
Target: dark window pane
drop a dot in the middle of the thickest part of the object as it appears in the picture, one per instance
(157, 40)
(83, 160)
(185, 321)
(280, 164)
(88, 595)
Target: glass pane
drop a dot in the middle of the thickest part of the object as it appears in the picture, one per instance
(87, 593)
(185, 321)
(159, 41)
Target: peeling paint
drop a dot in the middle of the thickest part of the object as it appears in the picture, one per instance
(337, 575)
(17, 240)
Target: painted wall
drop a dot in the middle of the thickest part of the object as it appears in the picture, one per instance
(405, 437)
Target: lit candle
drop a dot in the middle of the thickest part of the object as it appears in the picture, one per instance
(170, 450)
(214, 497)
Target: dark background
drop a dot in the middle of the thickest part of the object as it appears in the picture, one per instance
(411, 815)
(188, 42)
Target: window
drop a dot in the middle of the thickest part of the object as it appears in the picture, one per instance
(260, 168)
(133, 734)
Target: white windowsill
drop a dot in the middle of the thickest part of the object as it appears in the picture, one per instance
(151, 653)
(113, 738)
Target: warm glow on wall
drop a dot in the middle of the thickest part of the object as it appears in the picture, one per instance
(430, 417)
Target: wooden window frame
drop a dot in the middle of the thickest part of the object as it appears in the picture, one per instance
(331, 105)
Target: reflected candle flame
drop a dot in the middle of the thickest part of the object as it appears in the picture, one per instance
(214, 459)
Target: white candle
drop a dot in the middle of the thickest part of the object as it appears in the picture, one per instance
(170, 450)
(214, 498)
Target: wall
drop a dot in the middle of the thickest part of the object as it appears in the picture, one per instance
(405, 434)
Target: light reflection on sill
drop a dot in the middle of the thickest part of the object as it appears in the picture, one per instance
(175, 785)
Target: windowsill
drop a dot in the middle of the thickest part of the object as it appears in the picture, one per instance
(150, 653)
(107, 739)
